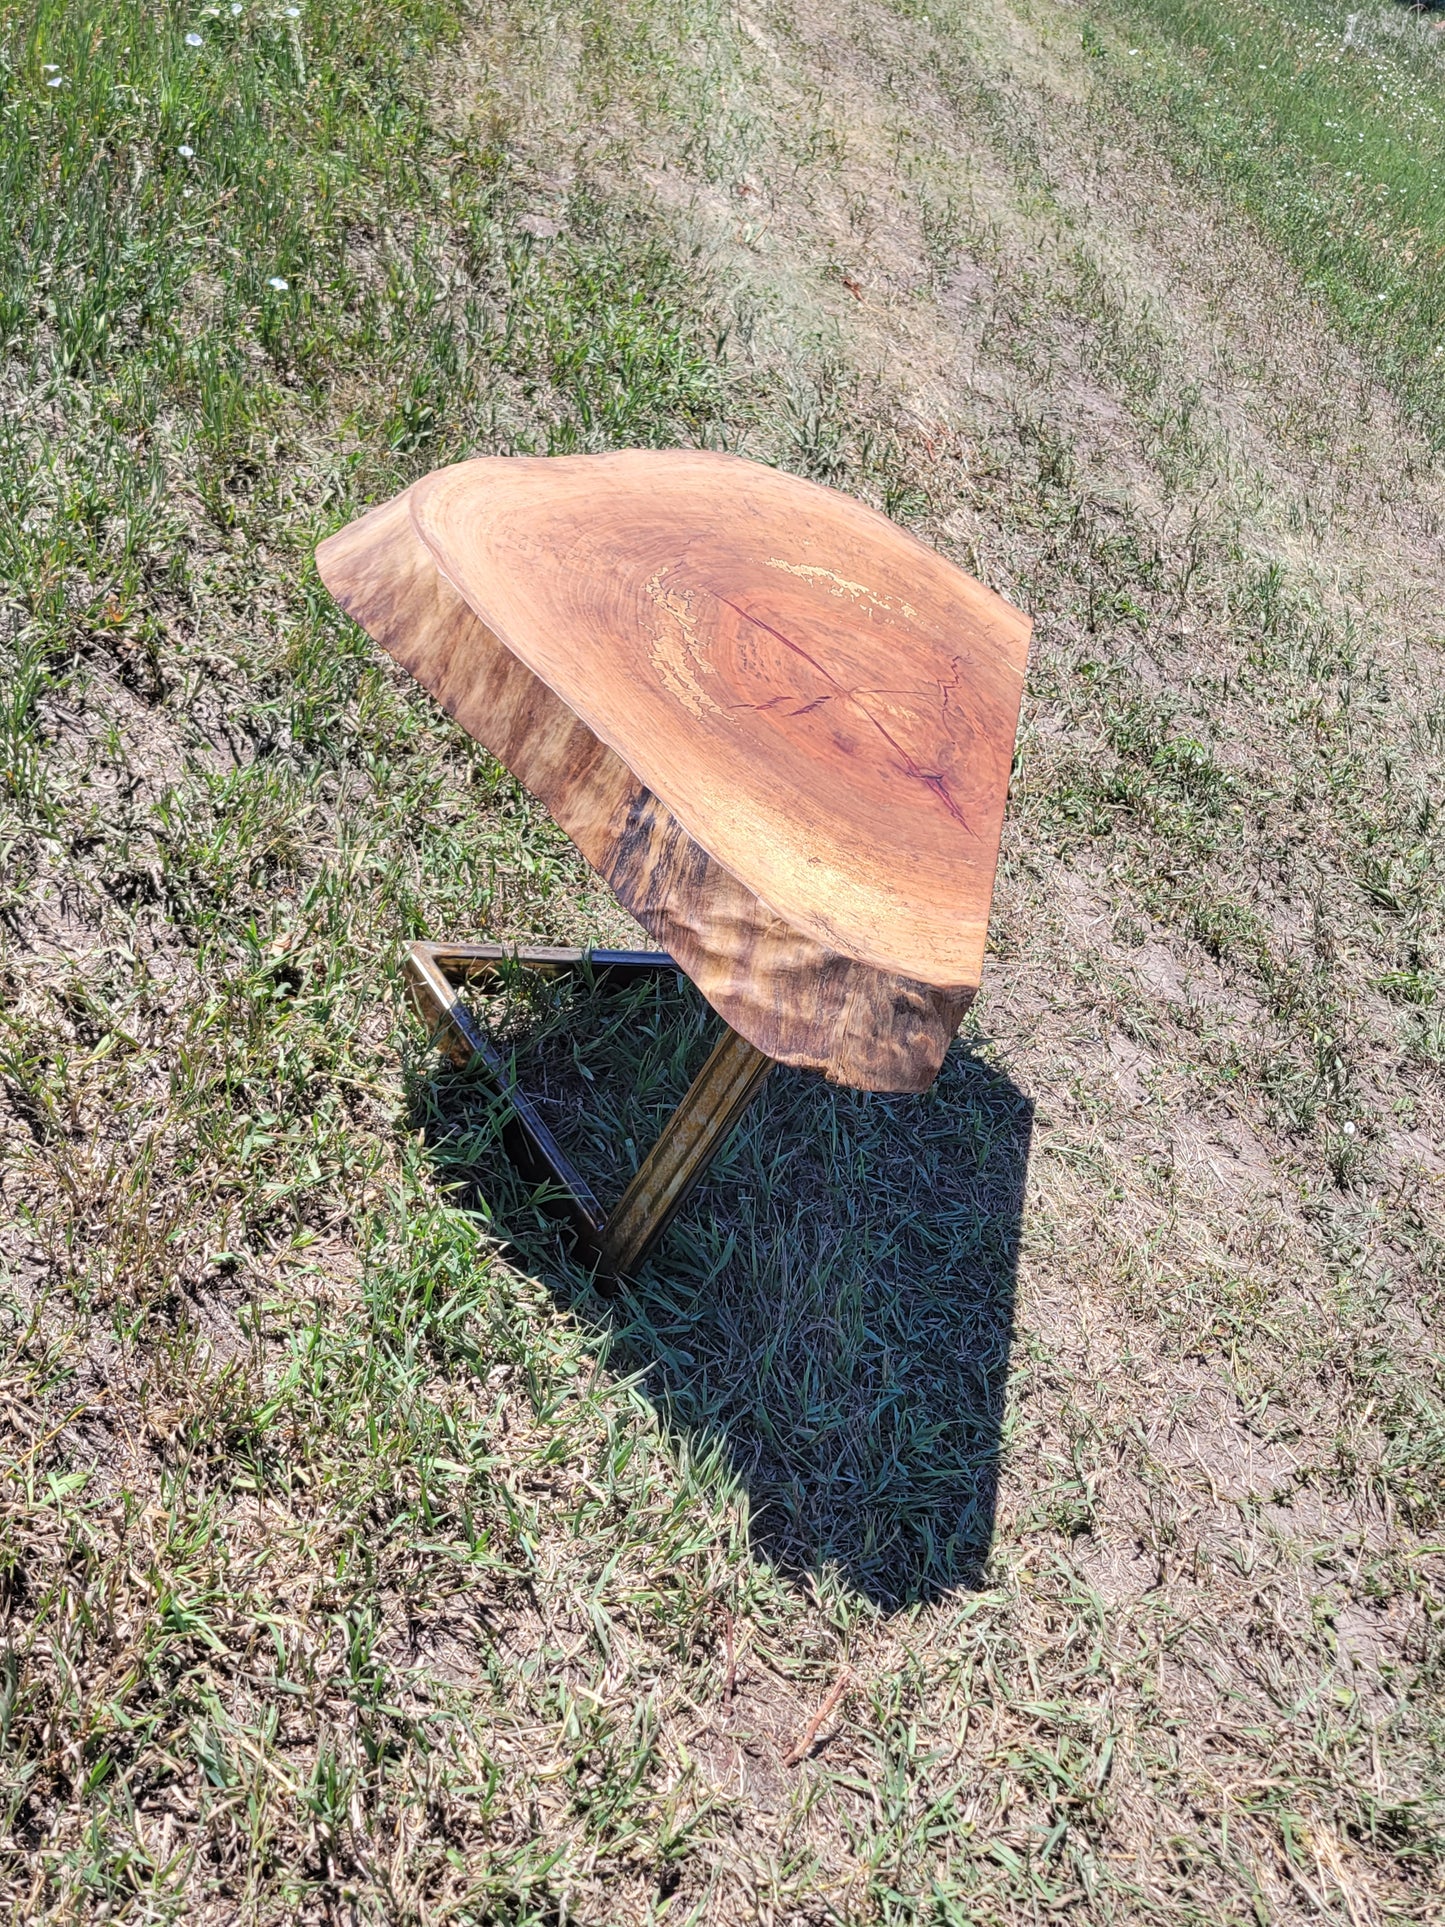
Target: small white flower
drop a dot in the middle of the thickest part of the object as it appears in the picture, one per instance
(1349, 1130)
(193, 40)
(236, 12)
(279, 283)
(186, 153)
(186, 193)
(55, 80)
(293, 13)
(50, 68)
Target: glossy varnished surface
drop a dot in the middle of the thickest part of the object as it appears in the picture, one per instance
(824, 704)
(811, 835)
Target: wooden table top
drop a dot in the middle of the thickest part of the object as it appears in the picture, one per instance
(778, 725)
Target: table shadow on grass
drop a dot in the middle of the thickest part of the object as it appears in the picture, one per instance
(835, 1301)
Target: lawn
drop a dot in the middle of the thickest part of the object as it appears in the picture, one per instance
(1074, 1434)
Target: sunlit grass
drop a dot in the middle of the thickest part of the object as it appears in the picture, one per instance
(1327, 123)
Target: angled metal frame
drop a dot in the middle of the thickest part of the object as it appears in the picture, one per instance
(718, 1096)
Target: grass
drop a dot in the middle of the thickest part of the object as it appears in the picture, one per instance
(1327, 126)
(1074, 1432)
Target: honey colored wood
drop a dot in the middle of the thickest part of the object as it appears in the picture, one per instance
(779, 726)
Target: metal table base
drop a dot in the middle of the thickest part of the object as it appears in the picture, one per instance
(617, 1241)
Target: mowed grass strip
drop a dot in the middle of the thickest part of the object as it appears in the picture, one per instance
(1326, 123)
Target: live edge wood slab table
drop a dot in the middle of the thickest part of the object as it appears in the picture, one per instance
(779, 726)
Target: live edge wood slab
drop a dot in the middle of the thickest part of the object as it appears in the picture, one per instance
(777, 724)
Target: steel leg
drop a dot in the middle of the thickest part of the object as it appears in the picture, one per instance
(691, 1138)
(530, 1145)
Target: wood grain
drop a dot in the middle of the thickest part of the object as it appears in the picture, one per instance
(778, 726)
